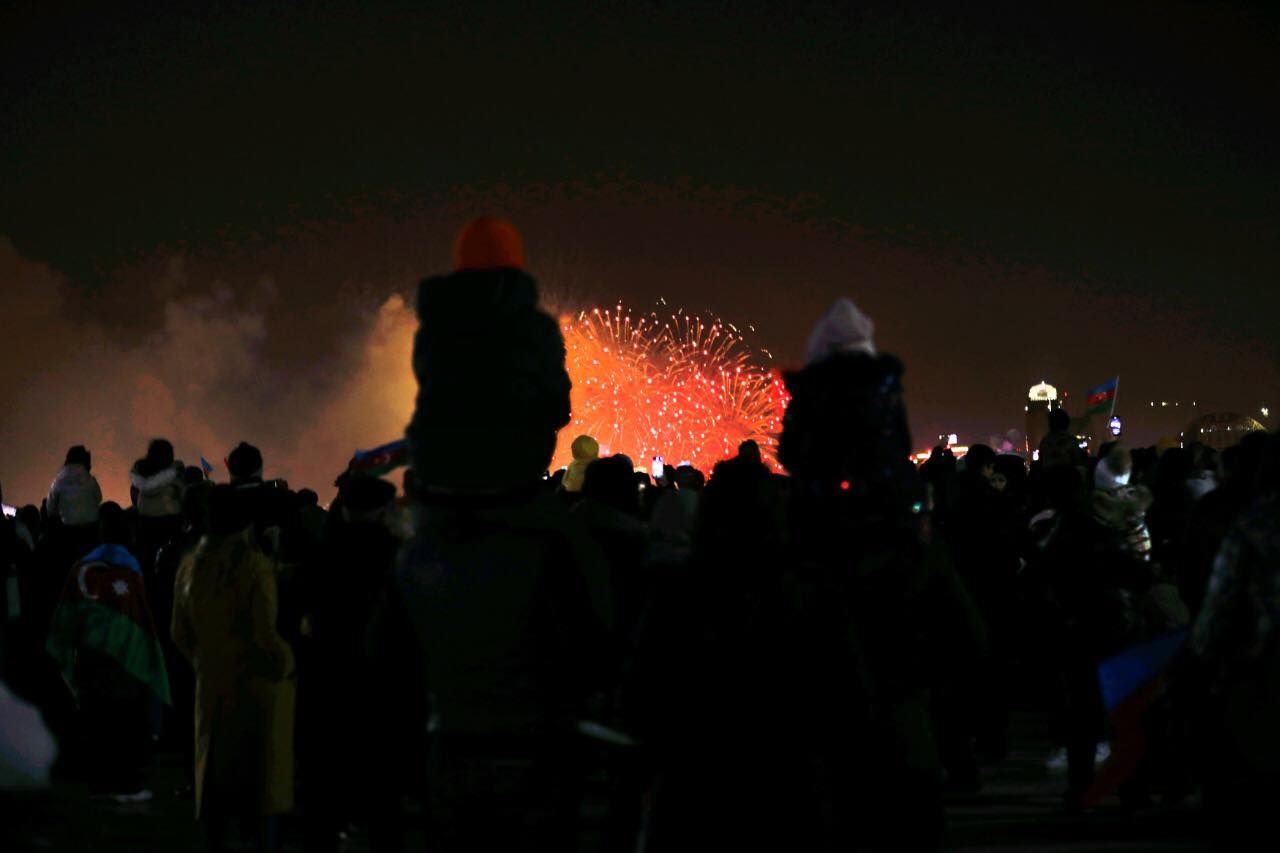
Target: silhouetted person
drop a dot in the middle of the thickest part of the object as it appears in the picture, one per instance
(103, 638)
(75, 495)
(224, 622)
(886, 618)
(344, 694)
(501, 608)
(610, 510)
(1235, 636)
(974, 702)
(157, 484)
(1060, 446)
(1217, 511)
(585, 450)
(180, 718)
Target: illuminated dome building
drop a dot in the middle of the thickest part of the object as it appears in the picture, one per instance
(1220, 429)
(1041, 400)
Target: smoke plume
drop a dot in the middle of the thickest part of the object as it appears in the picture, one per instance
(205, 378)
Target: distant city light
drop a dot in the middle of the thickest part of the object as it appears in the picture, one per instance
(1115, 425)
(1266, 413)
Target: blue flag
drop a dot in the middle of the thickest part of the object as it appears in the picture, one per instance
(1125, 674)
(1131, 681)
(204, 463)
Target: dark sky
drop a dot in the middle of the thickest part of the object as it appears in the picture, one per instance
(1066, 191)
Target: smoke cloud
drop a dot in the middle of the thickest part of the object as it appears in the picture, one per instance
(206, 379)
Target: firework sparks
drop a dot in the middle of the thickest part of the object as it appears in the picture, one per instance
(682, 386)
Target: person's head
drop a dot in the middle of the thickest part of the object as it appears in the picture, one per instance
(750, 451)
(193, 474)
(1059, 420)
(1114, 470)
(999, 482)
(1173, 469)
(29, 515)
(366, 499)
(245, 463)
(113, 525)
(488, 243)
(688, 477)
(159, 454)
(78, 455)
(585, 448)
(610, 480)
(1241, 461)
(980, 460)
(1013, 470)
(306, 498)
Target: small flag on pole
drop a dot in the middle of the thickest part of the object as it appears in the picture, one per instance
(1102, 398)
(1130, 683)
(206, 466)
(380, 460)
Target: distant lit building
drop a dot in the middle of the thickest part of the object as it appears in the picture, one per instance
(1220, 430)
(1041, 400)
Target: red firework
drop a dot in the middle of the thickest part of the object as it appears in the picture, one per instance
(682, 386)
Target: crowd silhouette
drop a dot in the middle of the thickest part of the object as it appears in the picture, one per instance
(799, 662)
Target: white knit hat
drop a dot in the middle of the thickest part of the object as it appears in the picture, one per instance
(842, 329)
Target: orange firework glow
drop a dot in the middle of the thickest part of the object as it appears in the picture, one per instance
(683, 387)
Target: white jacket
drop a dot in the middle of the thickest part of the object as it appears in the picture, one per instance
(74, 496)
(160, 494)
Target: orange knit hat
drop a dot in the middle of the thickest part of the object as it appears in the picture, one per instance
(488, 243)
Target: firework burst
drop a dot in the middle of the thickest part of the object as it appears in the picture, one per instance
(682, 386)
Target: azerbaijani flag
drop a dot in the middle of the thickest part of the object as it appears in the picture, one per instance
(1130, 683)
(104, 607)
(1098, 400)
(380, 460)
(206, 466)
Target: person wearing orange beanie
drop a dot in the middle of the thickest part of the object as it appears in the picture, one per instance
(488, 243)
(492, 386)
(502, 611)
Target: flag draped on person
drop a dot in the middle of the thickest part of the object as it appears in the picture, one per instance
(1130, 682)
(380, 460)
(1102, 398)
(104, 607)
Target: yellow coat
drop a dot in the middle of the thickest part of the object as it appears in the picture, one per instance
(224, 622)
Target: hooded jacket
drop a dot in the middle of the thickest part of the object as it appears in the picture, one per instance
(74, 496)
(159, 494)
(585, 451)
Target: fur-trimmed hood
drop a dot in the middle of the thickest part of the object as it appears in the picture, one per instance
(159, 494)
(154, 483)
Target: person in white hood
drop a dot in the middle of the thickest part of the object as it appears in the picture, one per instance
(75, 496)
(156, 483)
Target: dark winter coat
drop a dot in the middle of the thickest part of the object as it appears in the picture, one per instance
(492, 387)
(502, 606)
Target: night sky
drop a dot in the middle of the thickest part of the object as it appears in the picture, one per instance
(203, 216)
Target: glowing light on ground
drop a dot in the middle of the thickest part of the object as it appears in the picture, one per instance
(678, 385)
